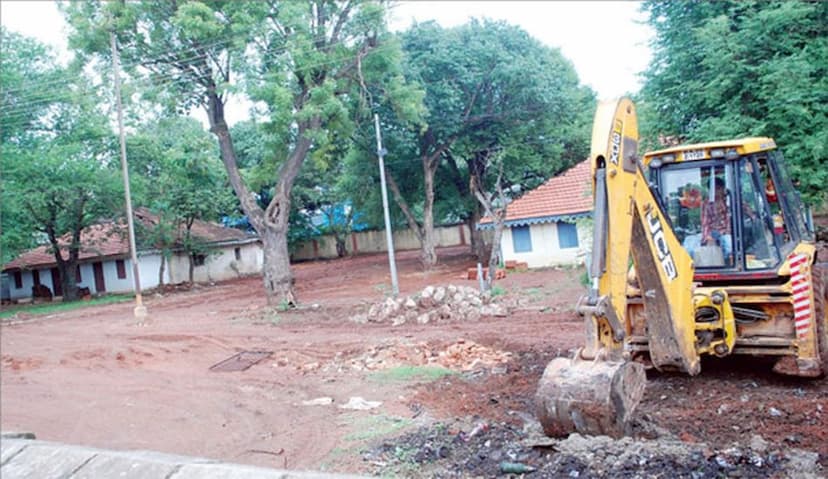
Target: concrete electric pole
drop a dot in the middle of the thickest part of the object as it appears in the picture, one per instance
(389, 238)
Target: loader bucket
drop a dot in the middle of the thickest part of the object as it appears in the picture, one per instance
(589, 397)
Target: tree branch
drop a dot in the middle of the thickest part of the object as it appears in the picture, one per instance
(398, 198)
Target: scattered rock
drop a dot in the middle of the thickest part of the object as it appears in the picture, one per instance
(360, 404)
(758, 443)
(447, 303)
(321, 401)
(802, 464)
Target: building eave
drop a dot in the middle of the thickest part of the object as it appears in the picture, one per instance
(568, 217)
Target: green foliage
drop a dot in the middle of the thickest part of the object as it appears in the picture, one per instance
(489, 87)
(180, 176)
(59, 161)
(498, 291)
(730, 69)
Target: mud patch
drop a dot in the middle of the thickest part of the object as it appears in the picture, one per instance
(19, 364)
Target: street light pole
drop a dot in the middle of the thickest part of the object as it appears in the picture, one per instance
(140, 310)
(389, 237)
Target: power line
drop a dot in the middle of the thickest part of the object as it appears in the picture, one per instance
(173, 79)
(199, 53)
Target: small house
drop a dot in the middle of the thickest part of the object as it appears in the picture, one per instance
(543, 227)
(105, 266)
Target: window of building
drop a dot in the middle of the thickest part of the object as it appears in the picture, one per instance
(237, 252)
(521, 239)
(121, 267)
(36, 277)
(18, 280)
(567, 235)
(199, 259)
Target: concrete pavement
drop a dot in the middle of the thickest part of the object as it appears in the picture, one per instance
(28, 458)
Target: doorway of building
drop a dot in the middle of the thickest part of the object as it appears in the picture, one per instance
(97, 268)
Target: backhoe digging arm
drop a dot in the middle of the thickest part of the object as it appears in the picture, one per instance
(635, 225)
(598, 390)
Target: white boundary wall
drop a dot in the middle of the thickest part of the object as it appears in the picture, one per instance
(374, 242)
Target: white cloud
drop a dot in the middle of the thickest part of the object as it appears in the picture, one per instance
(607, 42)
(40, 20)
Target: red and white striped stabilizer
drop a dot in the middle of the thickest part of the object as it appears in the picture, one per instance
(801, 289)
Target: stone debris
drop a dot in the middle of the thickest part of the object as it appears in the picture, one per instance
(357, 403)
(432, 304)
(321, 401)
(462, 356)
(444, 452)
(468, 355)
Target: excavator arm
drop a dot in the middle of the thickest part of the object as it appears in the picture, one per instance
(597, 391)
(632, 223)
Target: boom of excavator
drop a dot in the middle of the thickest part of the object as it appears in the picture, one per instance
(756, 289)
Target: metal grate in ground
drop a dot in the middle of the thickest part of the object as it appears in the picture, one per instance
(241, 361)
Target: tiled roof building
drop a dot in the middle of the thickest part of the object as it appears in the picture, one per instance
(558, 198)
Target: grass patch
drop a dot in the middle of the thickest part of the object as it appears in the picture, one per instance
(498, 291)
(411, 373)
(48, 308)
(372, 427)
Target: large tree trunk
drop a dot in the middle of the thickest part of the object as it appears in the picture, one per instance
(66, 270)
(272, 224)
(161, 269)
(66, 267)
(476, 243)
(494, 257)
(429, 255)
(498, 217)
(276, 272)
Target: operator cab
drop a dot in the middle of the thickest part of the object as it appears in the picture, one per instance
(731, 205)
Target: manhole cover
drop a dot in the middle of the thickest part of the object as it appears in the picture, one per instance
(241, 361)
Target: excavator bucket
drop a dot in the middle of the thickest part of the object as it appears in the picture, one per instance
(589, 397)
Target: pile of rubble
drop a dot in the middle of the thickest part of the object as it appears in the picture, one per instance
(494, 449)
(462, 355)
(440, 303)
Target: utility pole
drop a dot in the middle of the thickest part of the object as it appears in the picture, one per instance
(389, 238)
(140, 310)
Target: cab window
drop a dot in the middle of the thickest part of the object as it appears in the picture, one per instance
(757, 233)
(699, 201)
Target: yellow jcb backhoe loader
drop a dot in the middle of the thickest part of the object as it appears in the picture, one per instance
(723, 262)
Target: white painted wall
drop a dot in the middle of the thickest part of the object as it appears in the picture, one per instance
(545, 250)
(374, 242)
(220, 266)
(25, 291)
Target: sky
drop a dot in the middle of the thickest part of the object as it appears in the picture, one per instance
(606, 41)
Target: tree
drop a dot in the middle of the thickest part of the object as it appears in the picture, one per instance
(182, 180)
(489, 87)
(60, 171)
(729, 69)
(304, 62)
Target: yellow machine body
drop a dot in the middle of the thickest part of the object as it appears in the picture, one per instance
(662, 298)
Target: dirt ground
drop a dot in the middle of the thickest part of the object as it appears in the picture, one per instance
(93, 377)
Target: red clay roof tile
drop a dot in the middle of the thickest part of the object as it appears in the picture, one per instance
(110, 240)
(565, 194)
